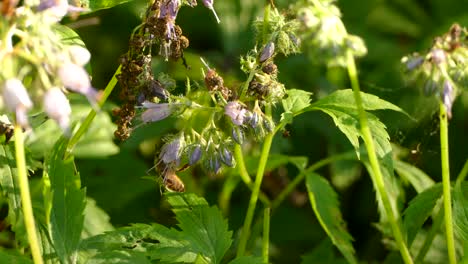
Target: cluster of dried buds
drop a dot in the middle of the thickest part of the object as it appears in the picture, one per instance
(444, 68)
(39, 52)
(137, 79)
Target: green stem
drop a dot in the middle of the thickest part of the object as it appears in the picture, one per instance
(26, 196)
(430, 236)
(266, 235)
(444, 149)
(244, 174)
(254, 197)
(463, 173)
(92, 114)
(374, 162)
(293, 184)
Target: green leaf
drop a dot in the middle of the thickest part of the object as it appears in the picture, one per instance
(68, 35)
(460, 211)
(119, 257)
(203, 226)
(12, 257)
(419, 209)
(95, 5)
(10, 189)
(345, 99)
(296, 100)
(326, 207)
(67, 205)
(96, 221)
(418, 178)
(97, 142)
(323, 253)
(204, 234)
(247, 260)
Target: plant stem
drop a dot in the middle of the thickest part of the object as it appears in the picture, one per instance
(92, 114)
(244, 174)
(254, 197)
(444, 153)
(266, 234)
(374, 162)
(293, 184)
(26, 196)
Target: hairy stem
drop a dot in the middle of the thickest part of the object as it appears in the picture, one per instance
(92, 114)
(374, 161)
(254, 197)
(26, 196)
(444, 153)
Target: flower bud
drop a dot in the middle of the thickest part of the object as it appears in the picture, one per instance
(448, 97)
(267, 51)
(236, 112)
(57, 107)
(76, 79)
(214, 164)
(412, 63)
(16, 99)
(195, 155)
(156, 112)
(238, 135)
(268, 125)
(254, 118)
(79, 55)
(430, 87)
(226, 156)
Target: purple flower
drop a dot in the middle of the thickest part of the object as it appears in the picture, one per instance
(414, 62)
(16, 99)
(214, 164)
(209, 4)
(236, 112)
(169, 9)
(156, 112)
(76, 79)
(195, 155)
(57, 107)
(267, 51)
(238, 135)
(171, 152)
(448, 97)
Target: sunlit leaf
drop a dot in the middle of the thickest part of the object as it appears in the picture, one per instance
(120, 257)
(96, 221)
(419, 209)
(296, 100)
(326, 207)
(67, 205)
(95, 5)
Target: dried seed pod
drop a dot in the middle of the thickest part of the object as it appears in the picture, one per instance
(270, 68)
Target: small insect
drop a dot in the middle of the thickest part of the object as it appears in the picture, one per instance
(7, 130)
(172, 182)
(286, 133)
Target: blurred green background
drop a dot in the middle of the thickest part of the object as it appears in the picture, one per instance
(390, 29)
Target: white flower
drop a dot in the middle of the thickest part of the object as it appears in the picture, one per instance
(156, 112)
(79, 55)
(57, 107)
(16, 99)
(76, 79)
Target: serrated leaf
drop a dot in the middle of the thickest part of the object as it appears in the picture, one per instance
(68, 203)
(345, 99)
(326, 207)
(247, 260)
(96, 221)
(419, 209)
(296, 100)
(460, 211)
(12, 257)
(203, 226)
(418, 178)
(119, 257)
(10, 188)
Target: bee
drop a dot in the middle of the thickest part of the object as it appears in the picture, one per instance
(7, 130)
(172, 182)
